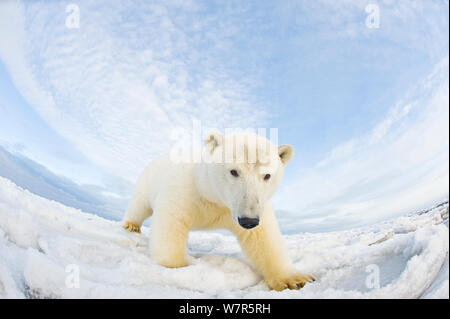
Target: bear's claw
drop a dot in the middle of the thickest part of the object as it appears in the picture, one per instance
(295, 281)
(132, 227)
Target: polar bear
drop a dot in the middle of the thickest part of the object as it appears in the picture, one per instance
(230, 188)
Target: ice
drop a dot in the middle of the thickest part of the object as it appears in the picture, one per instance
(44, 243)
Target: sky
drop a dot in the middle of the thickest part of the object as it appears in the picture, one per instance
(365, 108)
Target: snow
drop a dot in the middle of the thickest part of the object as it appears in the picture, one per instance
(44, 244)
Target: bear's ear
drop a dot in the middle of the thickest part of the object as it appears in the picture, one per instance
(212, 140)
(285, 152)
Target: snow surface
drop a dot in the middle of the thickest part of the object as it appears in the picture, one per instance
(41, 239)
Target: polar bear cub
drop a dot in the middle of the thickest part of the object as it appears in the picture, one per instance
(230, 188)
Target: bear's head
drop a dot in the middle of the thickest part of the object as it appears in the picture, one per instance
(242, 171)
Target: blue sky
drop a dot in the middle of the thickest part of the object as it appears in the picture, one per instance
(366, 109)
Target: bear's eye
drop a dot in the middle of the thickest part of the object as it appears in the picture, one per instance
(266, 177)
(234, 173)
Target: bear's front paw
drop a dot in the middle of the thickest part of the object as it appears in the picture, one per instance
(292, 281)
(132, 227)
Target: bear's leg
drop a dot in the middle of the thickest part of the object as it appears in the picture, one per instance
(168, 239)
(265, 248)
(138, 210)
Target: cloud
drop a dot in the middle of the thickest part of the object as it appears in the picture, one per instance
(418, 26)
(117, 86)
(396, 167)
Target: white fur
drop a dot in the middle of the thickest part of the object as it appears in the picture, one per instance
(205, 195)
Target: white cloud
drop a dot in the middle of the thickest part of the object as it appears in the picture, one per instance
(398, 166)
(117, 86)
(418, 26)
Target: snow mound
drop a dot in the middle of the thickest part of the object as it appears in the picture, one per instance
(44, 245)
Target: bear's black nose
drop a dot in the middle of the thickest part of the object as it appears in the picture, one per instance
(248, 222)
